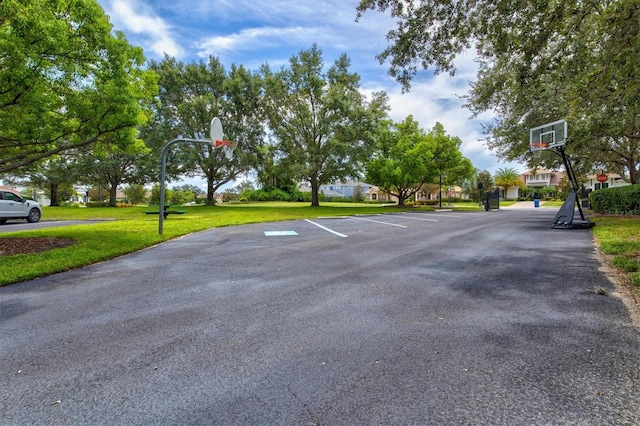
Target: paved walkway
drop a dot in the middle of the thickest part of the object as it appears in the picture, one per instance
(522, 205)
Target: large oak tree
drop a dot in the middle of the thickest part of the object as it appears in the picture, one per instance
(191, 94)
(66, 81)
(320, 121)
(539, 61)
(406, 158)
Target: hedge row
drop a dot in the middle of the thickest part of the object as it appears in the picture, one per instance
(276, 195)
(624, 200)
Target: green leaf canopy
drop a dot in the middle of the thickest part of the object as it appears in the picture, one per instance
(66, 81)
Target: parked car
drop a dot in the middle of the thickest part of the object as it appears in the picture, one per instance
(13, 206)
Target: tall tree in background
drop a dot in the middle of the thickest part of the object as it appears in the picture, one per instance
(66, 81)
(539, 62)
(57, 172)
(403, 159)
(275, 171)
(452, 166)
(190, 96)
(406, 158)
(322, 124)
(113, 166)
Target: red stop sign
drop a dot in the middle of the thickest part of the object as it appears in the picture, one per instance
(602, 178)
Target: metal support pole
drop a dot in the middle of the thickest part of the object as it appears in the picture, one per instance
(440, 191)
(572, 179)
(165, 151)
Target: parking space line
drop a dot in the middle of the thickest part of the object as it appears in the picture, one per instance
(439, 215)
(419, 218)
(377, 221)
(326, 229)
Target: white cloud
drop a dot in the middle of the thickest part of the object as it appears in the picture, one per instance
(253, 33)
(151, 31)
(253, 39)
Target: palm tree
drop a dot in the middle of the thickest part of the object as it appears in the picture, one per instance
(506, 178)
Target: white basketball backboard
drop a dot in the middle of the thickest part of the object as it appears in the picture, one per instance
(550, 135)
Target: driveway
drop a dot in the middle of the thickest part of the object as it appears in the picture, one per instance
(489, 318)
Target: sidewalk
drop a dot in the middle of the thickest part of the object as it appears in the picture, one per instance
(522, 205)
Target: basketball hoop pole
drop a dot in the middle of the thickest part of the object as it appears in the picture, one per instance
(216, 139)
(554, 136)
(573, 179)
(163, 167)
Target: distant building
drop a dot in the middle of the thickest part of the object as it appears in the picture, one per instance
(539, 178)
(344, 189)
(542, 178)
(347, 189)
(613, 180)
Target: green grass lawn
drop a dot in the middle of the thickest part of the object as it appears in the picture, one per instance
(619, 237)
(119, 231)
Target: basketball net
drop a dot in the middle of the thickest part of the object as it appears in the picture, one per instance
(227, 147)
(537, 148)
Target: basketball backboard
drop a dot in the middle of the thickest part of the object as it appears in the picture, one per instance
(216, 133)
(550, 135)
(217, 137)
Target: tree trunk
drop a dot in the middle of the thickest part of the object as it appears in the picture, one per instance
(402, 195)
(53, 196)
(113, 195)
(315, 201)
(210, 193)
(634, 174)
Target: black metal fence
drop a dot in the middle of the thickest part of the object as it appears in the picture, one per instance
(492, 200)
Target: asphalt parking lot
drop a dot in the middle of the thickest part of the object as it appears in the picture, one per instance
(489, 318)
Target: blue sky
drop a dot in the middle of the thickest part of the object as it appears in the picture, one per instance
(252, 32)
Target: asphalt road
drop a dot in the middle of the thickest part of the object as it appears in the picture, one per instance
(13, 225)
(488, 318)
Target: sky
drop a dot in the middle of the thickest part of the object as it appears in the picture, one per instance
(252, 33)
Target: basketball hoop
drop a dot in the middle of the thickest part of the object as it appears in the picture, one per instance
(547, 136)
(540, 145)
(217, 137)
(227, 147)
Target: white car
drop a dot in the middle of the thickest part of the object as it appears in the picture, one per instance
(13, 206)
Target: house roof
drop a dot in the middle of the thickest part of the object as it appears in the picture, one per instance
(539, 171)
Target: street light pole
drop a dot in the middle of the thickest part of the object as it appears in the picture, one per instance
(440, 196)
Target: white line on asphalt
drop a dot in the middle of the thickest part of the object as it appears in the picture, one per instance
(326, 229)
(377, 221)
(279, 233)
(418, 218)
(441, 214)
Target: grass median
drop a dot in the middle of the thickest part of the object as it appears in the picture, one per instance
(619, 239)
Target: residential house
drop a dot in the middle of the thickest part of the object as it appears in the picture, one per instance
(347, 189)
(539, 178)
(433, 191)
(344, 189)
(37, 195)
(375, 194)
(610, 180)
(542, 178)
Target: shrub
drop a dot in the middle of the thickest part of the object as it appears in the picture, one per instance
(624, 200)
